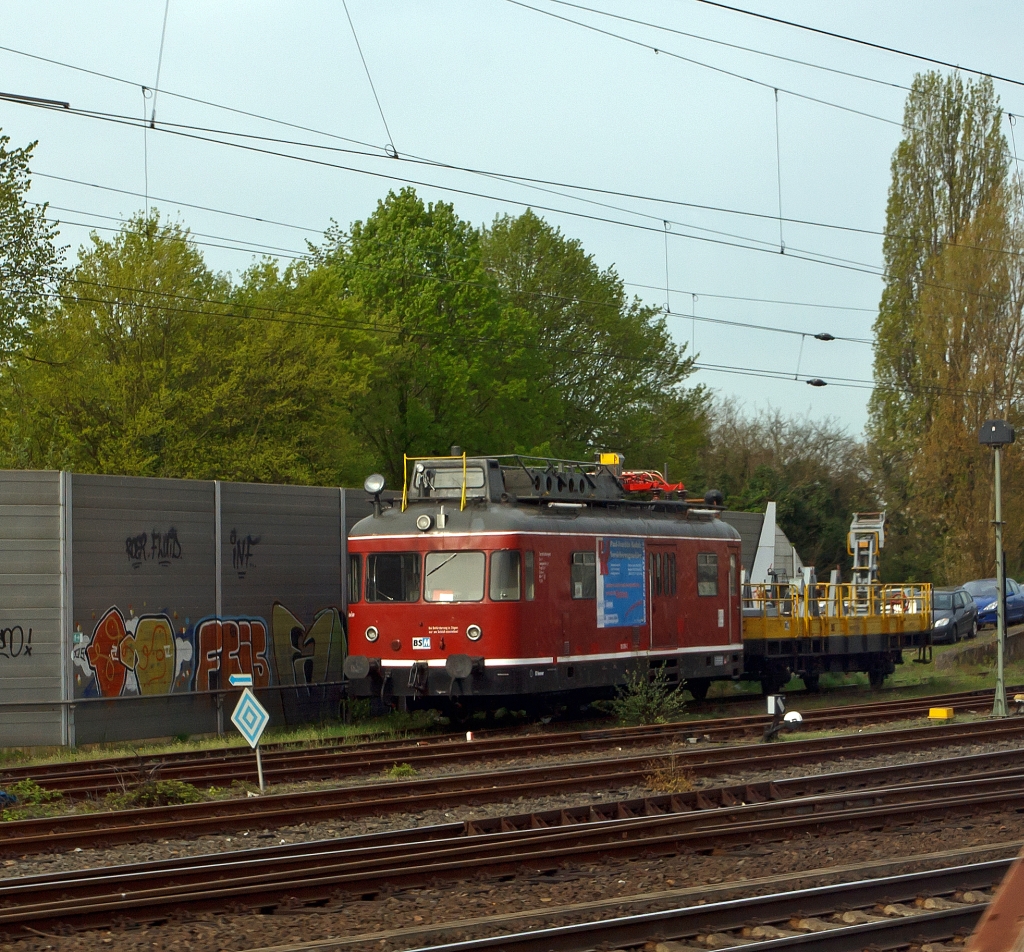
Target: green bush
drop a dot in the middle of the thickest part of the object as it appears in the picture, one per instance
(649, 698)
(29, 792)
(31, 801)
(155, 793)
(395, 771)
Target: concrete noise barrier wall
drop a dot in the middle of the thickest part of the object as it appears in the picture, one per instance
(126, 604)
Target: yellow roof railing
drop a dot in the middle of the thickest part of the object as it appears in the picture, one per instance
(406, 460)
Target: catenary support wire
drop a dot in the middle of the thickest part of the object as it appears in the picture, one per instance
(778, 172)
(391, 150)
(159, 64)
(668, 299)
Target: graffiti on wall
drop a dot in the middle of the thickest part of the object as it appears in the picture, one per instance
(242, 548)
(131, 656)
(308, 655)
(15, 643)
(146, 655)
(228, 646)
(162, 548)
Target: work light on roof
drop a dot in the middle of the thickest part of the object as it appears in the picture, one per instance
(374, 483)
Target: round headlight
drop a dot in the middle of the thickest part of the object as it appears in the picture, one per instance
(373, 483)
(473, 632)
(372, 634)
(423, 522)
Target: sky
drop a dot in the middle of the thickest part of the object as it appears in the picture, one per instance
(668, 156)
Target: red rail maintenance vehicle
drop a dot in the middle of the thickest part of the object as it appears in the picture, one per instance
(502, 578)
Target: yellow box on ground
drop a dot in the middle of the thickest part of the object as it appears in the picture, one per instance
(940, 714)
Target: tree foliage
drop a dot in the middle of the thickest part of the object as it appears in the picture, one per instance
(30, 261)
(409, 331)
(815, 473)
(949, 332)
(150, 368)
(610, 375)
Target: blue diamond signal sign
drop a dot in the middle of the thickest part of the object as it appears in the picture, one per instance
(250, 717)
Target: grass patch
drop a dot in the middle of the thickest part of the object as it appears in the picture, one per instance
(669, 777)
(397, 771)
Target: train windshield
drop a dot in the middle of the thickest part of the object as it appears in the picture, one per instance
(393, 577)
(454, 577)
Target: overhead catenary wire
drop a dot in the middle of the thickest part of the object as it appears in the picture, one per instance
(733, 46)
(851, 39)
(695, 62)
(310, 319)
(420, 160)
(319, 231)
(793, 254)
(248, 247)
(798, 254)
(377, 327)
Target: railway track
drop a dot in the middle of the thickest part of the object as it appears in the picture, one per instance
(880, 913)
(97, 830)
(223, 767)
(314, 872)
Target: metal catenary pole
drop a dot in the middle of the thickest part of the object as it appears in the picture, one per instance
(999, 703)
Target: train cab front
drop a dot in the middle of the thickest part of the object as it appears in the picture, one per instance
(433, 600)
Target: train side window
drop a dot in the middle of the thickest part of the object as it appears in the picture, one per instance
(707, 573)
(584, 575)
(355, 572)
(505, 566)
(670, 573)
(732, 576)
(393, 577)
(528, 562)
(656, 572)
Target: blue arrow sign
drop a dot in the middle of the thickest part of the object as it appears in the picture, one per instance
(240, 680)
(250, 717)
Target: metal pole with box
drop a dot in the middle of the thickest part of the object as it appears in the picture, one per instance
(997, 434)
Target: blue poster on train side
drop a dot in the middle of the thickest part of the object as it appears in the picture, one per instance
(621, 583)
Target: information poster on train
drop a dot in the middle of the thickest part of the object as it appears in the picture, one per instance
(621, 583)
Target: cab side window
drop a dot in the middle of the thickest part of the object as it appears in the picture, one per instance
(584, 575)
(355, 577)
(505, 575)
(707, 573)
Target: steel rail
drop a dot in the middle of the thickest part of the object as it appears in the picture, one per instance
(154, 890)
(732, 915)
(102, 829)
(221, 767)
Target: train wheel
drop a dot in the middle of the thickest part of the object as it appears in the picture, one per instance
(876, 676)
(811, 682)
(698, 687)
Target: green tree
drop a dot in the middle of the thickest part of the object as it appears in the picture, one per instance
(151, 368)
(31, 264)
(813, 470)
(446, 361)
(611, 376)
(948, 335)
